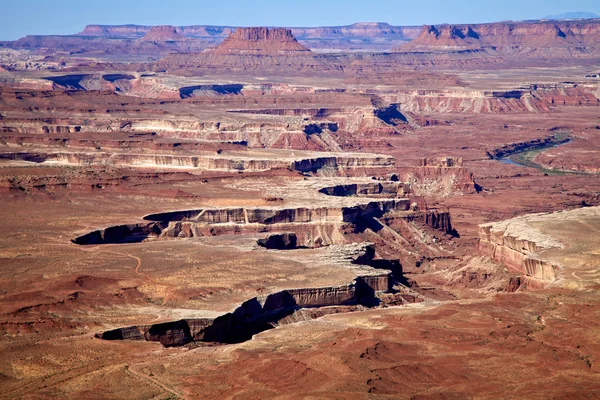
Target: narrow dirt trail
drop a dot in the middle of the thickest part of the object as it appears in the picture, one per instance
(137, 259)
(155, 382)
(99, 249)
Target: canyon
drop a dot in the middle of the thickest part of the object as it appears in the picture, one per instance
(330, 212)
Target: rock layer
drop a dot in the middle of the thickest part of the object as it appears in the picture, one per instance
(164, 33)
(543, 39)
(261, 41)
(262, 313)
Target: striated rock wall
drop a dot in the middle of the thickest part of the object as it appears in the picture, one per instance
(436, 219)
(334, 165)
(279, 215)
(517, 253)
(261, 41)
(254, 315)
(535, 98)
(261, 313)
(531, 39)
(441, 181)
(194, 223)
(161, 34)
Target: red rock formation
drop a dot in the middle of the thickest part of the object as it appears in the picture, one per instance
(161, 34)
(446, 36)
(261, 41)
(556, 39)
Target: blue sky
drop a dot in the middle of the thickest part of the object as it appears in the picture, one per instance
(22, 17)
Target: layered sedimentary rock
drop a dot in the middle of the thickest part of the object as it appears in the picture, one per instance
(333, 164)
(535, 98)
(560, 247)
(439, 176)
(445, 37)
(451, 45)
(205, 222)
(544, 39)
(261, 313)
(261, 41)
(436, 219)
(515, 244)
(164, 33)
(358, 36)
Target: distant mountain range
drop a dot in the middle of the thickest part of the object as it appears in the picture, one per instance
(573, 15)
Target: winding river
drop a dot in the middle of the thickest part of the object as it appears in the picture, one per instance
(523, 157)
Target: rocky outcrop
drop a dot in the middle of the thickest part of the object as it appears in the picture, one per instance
(194, 223)
(436, 219)
(441, 176)
(432, 45)
(261, 41)
(122, 234)
(282, 215)
(161, 34)
(444, 37)
(333, 165)
(262, 313)
(517, 246)
(116, 31)
(540, 39)
(525, 99)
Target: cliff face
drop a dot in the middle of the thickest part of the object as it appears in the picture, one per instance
(444, 177)
(446, 36)
(516, 244)
(265, 312)
(261, 41)
(565, 38)
(161, 34)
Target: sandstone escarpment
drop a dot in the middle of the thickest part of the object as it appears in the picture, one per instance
(441, 176)
(563, 246)
(534, 98)
(518, 244)
(444, 37)
(436, 219)
(265, 312)
(543, 39)
(164, 33)
(329, 164)
(252, 317)
(261, 41)
(207, 222)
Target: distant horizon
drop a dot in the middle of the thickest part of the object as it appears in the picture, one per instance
(68, 17)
